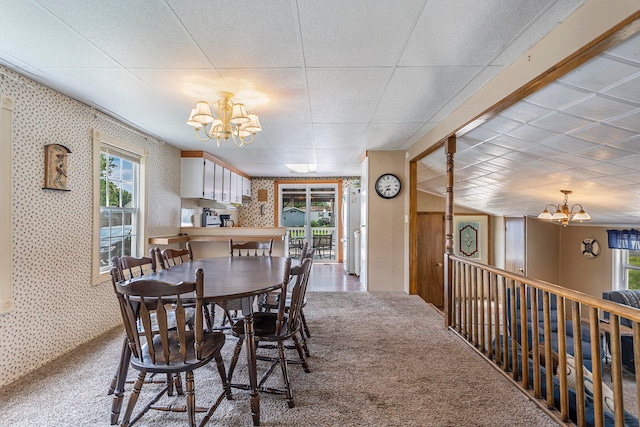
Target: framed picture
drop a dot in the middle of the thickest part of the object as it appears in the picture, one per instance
(471, 237)
(55, 167)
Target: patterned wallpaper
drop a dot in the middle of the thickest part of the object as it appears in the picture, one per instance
(249, 214)
(56, 307)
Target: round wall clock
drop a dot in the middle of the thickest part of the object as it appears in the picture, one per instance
(590, 247)
(388, 186)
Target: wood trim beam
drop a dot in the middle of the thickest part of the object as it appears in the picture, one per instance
(450, 150)
(413, 224)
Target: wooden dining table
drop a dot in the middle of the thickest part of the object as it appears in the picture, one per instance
(229, 278)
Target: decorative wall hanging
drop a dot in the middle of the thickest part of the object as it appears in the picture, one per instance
(471, 237)
(590, 247)
(55, 167)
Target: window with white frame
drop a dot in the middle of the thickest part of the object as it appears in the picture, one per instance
(626, 269)
(119, 206)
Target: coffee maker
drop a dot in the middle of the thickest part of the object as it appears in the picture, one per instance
(210, 218)
(226, 221)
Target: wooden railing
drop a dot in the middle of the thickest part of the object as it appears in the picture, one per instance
(485, 307)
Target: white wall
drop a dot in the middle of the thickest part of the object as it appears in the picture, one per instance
(56, 307)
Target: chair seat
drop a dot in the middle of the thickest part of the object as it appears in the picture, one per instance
(264, 326)
(271, 300)
(212, 343)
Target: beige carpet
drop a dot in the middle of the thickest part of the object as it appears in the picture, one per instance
(378, 359)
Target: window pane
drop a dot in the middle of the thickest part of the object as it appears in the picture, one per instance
(633, 279)
(634, 258)
(114, 168)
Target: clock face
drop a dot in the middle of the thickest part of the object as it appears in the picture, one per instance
(388, 186)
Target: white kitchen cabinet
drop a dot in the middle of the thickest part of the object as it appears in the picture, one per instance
(233, 188)
(226, 185)
(218, 182)
(246, 187)
(197, 178)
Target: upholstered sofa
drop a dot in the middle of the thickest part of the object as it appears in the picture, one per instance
(632, 299)
(586, 336)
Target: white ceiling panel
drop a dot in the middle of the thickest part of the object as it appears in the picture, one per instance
(134, 34)
(345, 95)
(243, 33)
(415, 93)
(30, 34)
(336, 33)
(333, 136)
(500, 21)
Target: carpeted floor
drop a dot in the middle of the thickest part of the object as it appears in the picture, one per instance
(378, 359)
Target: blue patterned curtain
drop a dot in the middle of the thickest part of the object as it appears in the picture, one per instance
(624, 239)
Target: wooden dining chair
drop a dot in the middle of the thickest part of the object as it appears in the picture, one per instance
(278, 328)
(156, 348)
(170, 257)
(271, 301)
(252, 248)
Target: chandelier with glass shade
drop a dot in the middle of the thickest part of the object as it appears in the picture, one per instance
(232, 121)
(562, 212)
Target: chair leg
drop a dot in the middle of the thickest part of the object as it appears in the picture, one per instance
(285, 374)
(133, 399)
(304, 324)
(118, 382)
(190, 399)
(234, 359)
(303, 359)
(223, 376)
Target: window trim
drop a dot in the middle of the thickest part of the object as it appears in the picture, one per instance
(6, 261)
(98, 140)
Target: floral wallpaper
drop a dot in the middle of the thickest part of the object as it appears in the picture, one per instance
(56, 307)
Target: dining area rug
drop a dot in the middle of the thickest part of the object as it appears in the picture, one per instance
(377, 359)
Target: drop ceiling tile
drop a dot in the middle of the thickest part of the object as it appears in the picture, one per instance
(284, 137)
(632, 144)
(556, 96)
(603, 134)
(549, 165)
(499, 20)
(345, 95)
(335, 136)
(575, 161)
(388, 135)
(480, 134)
(371, 36)
(544, 151)
(631, 162)
(580, 173)
(560, 122)
(515, 143)
(490, 149)
(334, 156)
(569, 144)
(630, 121)
(525, 111)
(599, 108)
(532, 134)
(522, 157)
(501, 124)
(39, 39)
(414, 94)
(605, 168)
(605, 153)
(628, 90)
(628, 50)
(613, 181)
(272, 42)
(599, 73)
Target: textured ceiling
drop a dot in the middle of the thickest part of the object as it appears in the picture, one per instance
(580, 133)
(340, 76)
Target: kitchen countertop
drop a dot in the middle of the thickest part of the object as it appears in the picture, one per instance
(215, 234)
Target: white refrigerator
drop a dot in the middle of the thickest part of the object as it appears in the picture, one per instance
(350, 223)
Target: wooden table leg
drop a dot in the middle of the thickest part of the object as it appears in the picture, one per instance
(250, 347)
(118, 394)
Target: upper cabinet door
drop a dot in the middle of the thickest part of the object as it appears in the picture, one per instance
(246, 187)
(218, 183)
(226, 185)
(233, 188)
(194, 172)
